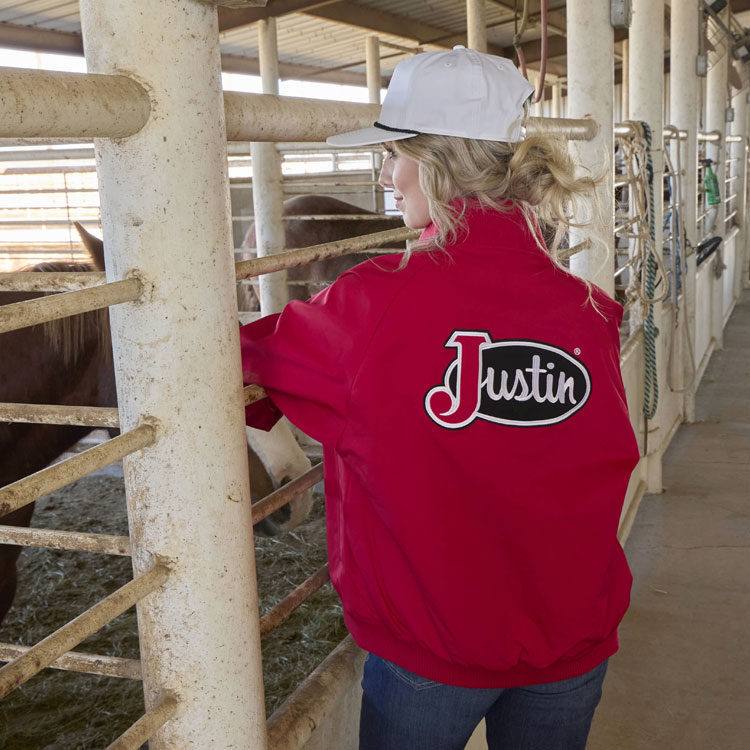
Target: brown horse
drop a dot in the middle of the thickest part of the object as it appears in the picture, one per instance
(306, 232)
(69, 362)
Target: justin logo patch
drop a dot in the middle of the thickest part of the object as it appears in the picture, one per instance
(513, 382)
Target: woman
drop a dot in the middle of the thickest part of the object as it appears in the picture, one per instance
(476, 436)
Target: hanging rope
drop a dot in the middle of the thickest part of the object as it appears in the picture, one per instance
(650, 331)
(681, 246)
(647, 263)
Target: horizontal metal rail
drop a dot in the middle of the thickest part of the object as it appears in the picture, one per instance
(626, 224)
(6, 222)
(43, 309)
(50, 281)
(324, 217)
(266, 117)
(293, 723)
(40, 656)
(571, 251)
(81, 105)
(78, 661)
(730, 217)
(87, 416)
(31, 488)
(263, 508)
(294, 258)
(274, 617)
(624, 267)
(713, 136)
(574, 130)
(671, 132)
(147, 726)
(75, 541)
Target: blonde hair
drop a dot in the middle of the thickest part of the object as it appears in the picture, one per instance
(537, 175)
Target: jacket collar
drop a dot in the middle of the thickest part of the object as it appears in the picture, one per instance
(490, 228)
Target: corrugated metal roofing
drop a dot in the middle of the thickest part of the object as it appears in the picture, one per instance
(318, 42)
(306, 39)
(58, 15)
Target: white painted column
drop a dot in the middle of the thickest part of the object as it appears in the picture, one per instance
(590, 84)
(716, 119)
(556, 97)
(738, 185)
(166, 217)
(476, 25)
(716, 112)
(683, 51)
(536, 77)
(374, 82)
(372, 62)
(646, 103)
(646, 84)
(625, 99)
(268, 183)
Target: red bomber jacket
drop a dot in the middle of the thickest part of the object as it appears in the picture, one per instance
(477, 451)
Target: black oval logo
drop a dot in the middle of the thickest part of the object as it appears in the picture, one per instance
(513, 382)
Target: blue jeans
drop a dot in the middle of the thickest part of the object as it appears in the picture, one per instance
(402, 711)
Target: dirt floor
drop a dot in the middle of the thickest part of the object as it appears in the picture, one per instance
(65, 710)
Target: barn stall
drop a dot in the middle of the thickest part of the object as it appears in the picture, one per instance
(150, 143)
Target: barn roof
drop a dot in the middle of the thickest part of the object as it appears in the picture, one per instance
(324, 40)
(317, 39)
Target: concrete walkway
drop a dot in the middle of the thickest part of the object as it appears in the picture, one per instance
(681, 680)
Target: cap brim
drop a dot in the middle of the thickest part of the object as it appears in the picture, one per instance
(367, 137)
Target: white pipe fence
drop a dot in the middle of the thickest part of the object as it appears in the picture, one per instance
(109, 106)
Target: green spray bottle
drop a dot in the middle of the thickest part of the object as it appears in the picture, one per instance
(711, 183)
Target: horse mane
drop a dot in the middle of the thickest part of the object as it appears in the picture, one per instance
(69, 336)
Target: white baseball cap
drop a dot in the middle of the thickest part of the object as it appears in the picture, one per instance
(458, 92)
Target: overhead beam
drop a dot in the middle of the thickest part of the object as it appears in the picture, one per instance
(13, 36)
(295, 71)
(27, 38)
(381, 22)
(233, 18)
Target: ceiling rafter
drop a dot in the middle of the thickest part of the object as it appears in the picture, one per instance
(233, 18)
(14, 36)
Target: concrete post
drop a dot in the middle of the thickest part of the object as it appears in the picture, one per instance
(372, 61)
(646, 103)
(739, 184)
(716, 109)
(538, 108)
(625, 100)
(716, 119)
(374, 78)
(476, 25)
(683, 34)
(268, 182)
(556, 97)
(590, 86)
(165, 210)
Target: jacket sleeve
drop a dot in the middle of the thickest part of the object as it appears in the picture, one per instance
(306, 357)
